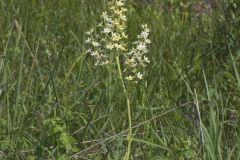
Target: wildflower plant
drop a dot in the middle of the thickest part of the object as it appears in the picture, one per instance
(108, 41)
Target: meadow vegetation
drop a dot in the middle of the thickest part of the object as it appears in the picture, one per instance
(179, 100)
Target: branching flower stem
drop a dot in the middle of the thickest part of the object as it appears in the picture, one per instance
(108, 41)
(127, 155)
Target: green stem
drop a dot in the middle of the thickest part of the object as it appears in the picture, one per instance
(127, 155)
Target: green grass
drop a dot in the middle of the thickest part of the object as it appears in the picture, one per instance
(55, 104)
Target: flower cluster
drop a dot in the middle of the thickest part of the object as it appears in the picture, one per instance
(108, 40)
(111, 34)
(136, 60)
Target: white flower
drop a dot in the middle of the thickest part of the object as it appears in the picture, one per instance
(146, 59)
(144, 26)
(124, 9)
(107, 30)
(119, 3)
(124, 35)
(109, 20)
(147, 41)
(130, 61)
(142, 47)
(139, 76)
(144, 34)
(112, 8)
(109, 25)
(110, 46)
(129, 78)
(123, 17)
(89, 51)
(95, 53)
(95, 44)
(89, 32)
(116, 22)
(119, 47)
(116, 37)
(100, 24)
(104, 63)
(120, 27)
(119, 12)
(130, 53)
(104, 15)
(88, 40)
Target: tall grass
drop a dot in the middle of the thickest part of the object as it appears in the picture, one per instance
(55, 104)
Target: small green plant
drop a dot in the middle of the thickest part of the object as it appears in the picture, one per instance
(58, 136)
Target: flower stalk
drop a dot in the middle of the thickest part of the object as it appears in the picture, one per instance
(109, 41)
(127, 155)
